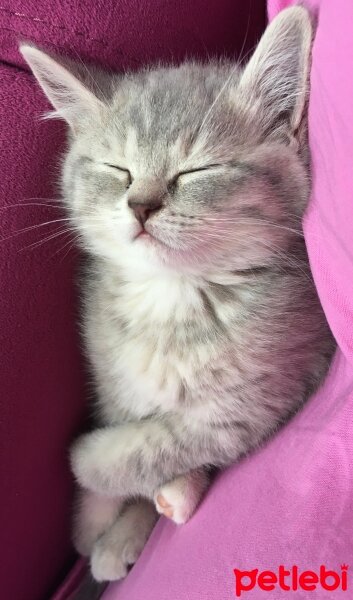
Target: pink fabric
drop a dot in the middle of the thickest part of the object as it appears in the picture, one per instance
(329, 220)
(291, 503)
(42, 396)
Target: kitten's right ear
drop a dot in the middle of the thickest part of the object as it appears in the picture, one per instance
(275, 81)
(68, 95)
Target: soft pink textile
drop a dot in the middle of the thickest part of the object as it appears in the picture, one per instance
(292, 501)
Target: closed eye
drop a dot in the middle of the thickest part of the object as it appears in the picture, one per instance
(122, 170)
(209, 167)
(190, 171)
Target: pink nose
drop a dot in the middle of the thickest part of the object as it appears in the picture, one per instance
(143, 210)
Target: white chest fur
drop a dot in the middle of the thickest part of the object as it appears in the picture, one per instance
(149, 342)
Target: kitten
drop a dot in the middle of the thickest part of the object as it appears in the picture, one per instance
(187, 186)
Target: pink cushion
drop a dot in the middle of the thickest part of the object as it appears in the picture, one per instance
(291, 502)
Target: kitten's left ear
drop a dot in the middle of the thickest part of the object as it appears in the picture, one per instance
(274, 84)
(72, 100)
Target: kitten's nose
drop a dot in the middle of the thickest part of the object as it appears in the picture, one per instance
(143, 210)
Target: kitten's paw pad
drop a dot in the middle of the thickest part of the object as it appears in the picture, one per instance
(163, 507)
(179, 498)
(175, 502)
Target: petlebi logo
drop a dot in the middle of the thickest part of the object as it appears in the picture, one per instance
(291, 580)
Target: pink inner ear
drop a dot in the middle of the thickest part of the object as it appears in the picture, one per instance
(70, 98)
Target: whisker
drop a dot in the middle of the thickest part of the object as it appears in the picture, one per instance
(71, 243)
(90, 75)
(25, 204)
(240, 57)
(255, 222)
(31, 228)
(43, 241)
(94, 220)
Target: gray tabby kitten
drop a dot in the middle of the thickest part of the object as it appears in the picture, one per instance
(201, 321)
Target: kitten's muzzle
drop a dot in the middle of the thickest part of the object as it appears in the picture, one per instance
(146, 196)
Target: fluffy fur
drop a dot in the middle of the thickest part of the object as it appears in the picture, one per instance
(202, 324)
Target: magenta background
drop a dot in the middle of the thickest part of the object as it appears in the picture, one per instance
(41, 380)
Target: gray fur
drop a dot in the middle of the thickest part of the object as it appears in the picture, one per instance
(203, 342)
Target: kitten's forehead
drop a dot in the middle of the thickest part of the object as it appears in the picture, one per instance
(164, 102)
(160, 158)
(164, 112)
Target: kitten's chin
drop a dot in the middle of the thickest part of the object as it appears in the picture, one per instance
(155, 253)
(144, 237)
(149, 247)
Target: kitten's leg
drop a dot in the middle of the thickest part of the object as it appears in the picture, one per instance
(179, 498)
(123, 543)
(93, 516)
(138, 458)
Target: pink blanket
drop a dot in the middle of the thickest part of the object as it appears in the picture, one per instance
(291, 503)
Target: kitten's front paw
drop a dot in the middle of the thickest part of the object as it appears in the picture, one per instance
(121, 546)
(107, 564)
(94, 516)
(90, 462)
(179, 498)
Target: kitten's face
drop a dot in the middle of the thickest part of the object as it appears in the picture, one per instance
(193, 167)
(202, 176)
